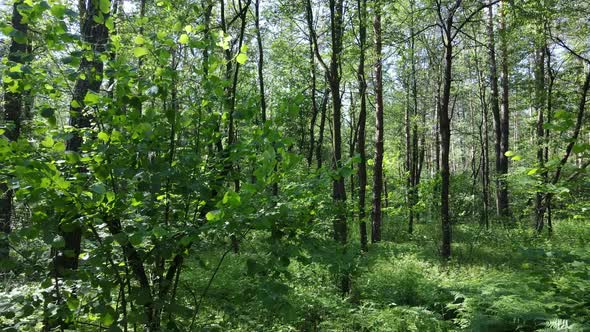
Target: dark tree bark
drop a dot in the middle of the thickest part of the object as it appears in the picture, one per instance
(449, 30)
(314, 104)
(503, 203)
(320, 144)
(362, 135)
(260, 63)
(568, 151)
(413, 155)
(445, 135)
(96, 35)
(14, 104)
(231, 169)
(340, 228)
(484, 140)
(338, 189)
(539, 104)
(378, 166)
(495, 104)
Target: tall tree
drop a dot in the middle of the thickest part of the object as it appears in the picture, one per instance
(495, 105)
(450, 28)
(503, 203)
(14, 104)
(95, 34)
(539, 105)
(378, 164)
(260, 62)
(362, 134)
(338, 188)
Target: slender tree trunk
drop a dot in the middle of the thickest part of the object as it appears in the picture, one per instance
(484, 140)
(338, 186)
(378, 165)
(539, 105)
(503, 204)
(362, 135)
(338, 189)
(495, 104)
(14, 105)
(260, 63)
(96, 35)
(323, 111)
(573, 140)
(412, 152)
(445, 136)
(231, 169)
(547, 132)
(314, 105)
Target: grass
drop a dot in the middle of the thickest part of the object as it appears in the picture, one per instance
(500, 280)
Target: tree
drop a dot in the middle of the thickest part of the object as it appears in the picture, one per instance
(503, 206)
(14, 103)
(95, 34)
(361, 150)
(378, 165)
(449, 31)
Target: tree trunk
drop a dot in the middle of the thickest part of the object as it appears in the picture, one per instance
(260, 64)
(495, 104)
(362, 135)
(445, 137)
(320, 144)
(13, 116)
(96, 35)
(338, 187)
(314, 105)
(378, 165)
(503, 205)
(539, 105)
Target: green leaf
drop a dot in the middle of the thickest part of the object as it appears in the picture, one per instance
(110, 23)
(59, 147)
(579, 148)
(105, 6)
(139, 40)
(27, 310)
(73, 303)
(214, 215)
(75, 104)
(232, 199)
(108, 318)
(58, 11)
(140, 51)
(103, 136)
(91, 98)
(98, 188)
(184, 39)
(242, 58)
(47, 142)
(533, 171)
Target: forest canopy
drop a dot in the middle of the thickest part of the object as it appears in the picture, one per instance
(305, 165)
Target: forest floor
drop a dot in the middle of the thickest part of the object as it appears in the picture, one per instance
(498, 280)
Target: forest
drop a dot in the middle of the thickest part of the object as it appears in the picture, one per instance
(294, 165)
